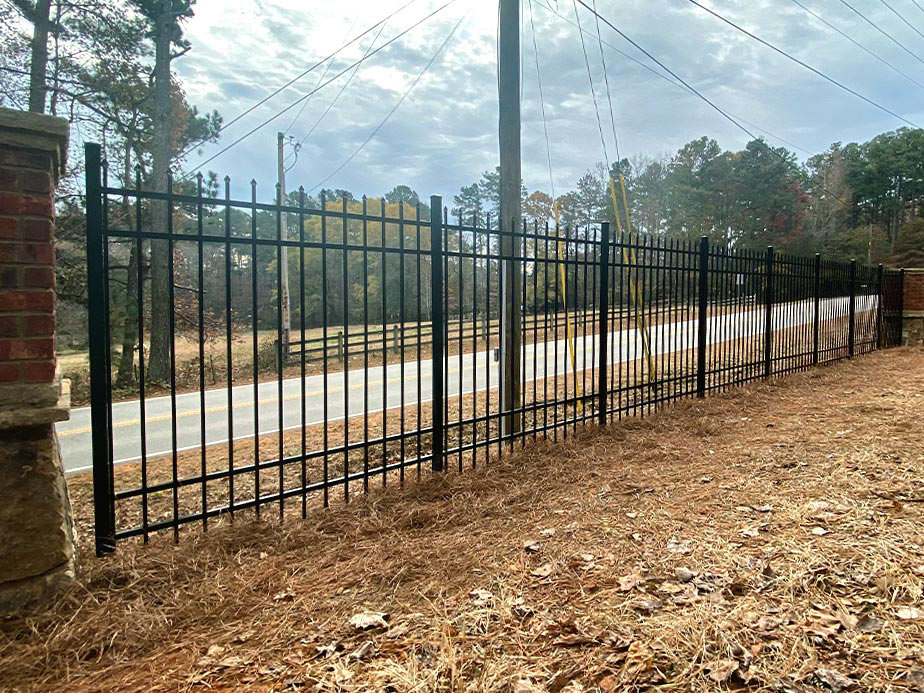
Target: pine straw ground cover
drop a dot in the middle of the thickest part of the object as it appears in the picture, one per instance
(767, 539)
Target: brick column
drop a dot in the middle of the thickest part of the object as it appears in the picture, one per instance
(913, 307)
(36, 532)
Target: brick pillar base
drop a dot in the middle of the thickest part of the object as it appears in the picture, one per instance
(913, 308)
(37, 555)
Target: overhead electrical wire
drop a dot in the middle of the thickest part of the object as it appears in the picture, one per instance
(333, 102)
(918, 5)
(722, 112)
(318, 88)
(292, 81)
(897, 14)
(816, 71)
(590, 78)
(883, 31)
(330, 64)
(545, 127)
(606, 81)
(394, 108)
(672, 82)
(858, 44)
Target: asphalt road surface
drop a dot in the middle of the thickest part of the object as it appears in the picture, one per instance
(346, 390)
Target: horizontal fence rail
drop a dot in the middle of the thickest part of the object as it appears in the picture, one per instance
(219, 388)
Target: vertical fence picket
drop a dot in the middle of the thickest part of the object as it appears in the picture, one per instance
(852, 311)
(816, 322)
(768, 315)
(702, 324)
(437, 327)
(104, 501)
(604, 307)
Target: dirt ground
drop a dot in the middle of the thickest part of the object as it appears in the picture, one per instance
(766, 539)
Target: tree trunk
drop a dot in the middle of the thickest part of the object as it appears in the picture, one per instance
(39, 57)
(125, 375)
(159, 363)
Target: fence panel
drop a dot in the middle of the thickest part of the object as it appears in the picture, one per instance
(207, 399)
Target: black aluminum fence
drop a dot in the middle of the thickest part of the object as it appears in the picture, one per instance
(239, 417)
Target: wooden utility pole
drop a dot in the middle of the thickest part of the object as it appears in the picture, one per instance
(508, 69)
(283, 251)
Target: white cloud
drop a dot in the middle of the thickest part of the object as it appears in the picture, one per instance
(444, 134)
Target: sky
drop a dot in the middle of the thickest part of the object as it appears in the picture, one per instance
(444, 134)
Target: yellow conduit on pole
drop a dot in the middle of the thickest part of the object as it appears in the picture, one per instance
(629, 258)
(562, 277)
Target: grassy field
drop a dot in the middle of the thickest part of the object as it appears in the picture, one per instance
(764, 539)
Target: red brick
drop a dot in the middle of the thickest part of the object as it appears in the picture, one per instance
(8, 179)
(35, 181)
(9, 278)
(31, 205)
(36, 229)
(38, 278)
(9, 326)
(40, 326)
(9, 372)
(36, 301)
(26, 349)
(27, 253)
(9, 229)
(40, 372)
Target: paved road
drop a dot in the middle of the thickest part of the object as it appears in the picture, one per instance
(346, 390)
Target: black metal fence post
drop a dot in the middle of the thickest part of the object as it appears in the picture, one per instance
(880, 271)
(103, 498)
(604, 298)
(702, 316)
(851, 329)
(438, 328)
(816, 328)
(901, 307)
(768, 316)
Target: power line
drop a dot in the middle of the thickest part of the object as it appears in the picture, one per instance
(339, 93)
(591, 80)
(882, 31)
(859, 45)
(918, 5)
(606, 81)
(313, 91)
(724, 114)
(804, 64)
(896, 13)
(292, 81)
(678, 85)
(394, 108)
(330, 64)
(545, 128)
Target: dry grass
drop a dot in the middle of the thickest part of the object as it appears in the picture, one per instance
(796, 506)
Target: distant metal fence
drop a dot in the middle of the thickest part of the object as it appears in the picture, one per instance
(612, 326)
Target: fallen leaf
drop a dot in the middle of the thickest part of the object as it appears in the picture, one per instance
(575, 640)
(834, 680)
(847, 620)
(820, 531)
(647, 605)
(639, 661)
(750, 531)
(525, 686)
(681, 546)
(762, 508)
(366, 620)
(543, 571)
(532, 546)
(909, 613)
(362, 651)
(547, 532)
(283, 597)
(631, 516)
(628, 582)
(721, 670)
(684, 574)
(869, 624)
(482, 597)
